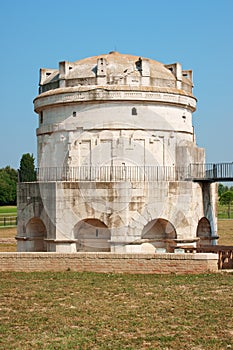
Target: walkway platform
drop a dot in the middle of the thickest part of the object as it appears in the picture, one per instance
(211, 172)
(208, 172)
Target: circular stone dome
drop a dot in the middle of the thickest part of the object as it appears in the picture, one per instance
(121, 65)
(118, 71)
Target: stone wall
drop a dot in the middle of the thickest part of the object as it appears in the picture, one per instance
(125, 208)
(111, 263)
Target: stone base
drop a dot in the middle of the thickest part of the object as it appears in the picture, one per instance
(115, 217)
(111, 263)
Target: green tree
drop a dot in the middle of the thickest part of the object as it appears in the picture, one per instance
(227, 199)
(27, 168)
(8, 186)
(222, 189)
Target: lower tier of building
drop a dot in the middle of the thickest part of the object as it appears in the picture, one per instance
(120, 217)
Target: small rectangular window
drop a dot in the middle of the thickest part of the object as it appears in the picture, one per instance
(41, 118)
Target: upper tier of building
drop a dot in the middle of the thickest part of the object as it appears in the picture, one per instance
(115, 69)
(115, 77)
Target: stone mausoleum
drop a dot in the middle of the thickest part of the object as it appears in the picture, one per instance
(115, 148)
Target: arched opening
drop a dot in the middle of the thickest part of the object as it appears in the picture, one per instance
(92, 235)
(204, 232)
(36, 233)
(161, 233)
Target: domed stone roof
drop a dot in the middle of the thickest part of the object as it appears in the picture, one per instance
(120, 64)
(113, 70)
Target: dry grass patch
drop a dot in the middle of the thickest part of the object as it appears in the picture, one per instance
(8, 232)
(7, 247)
(225, 232)
(98, 311)
(7, 239)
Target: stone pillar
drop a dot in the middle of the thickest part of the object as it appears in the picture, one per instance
(101, 71)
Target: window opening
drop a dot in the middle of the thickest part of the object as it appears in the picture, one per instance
(41, 118)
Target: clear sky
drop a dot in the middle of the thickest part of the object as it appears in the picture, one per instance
(36, 34)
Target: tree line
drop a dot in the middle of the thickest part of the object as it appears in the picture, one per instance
(9, 178)
(225, 195)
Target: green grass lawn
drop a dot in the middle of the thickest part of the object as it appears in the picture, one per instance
(8, 216)
(116, 312)
(223, 211)
(8, 210)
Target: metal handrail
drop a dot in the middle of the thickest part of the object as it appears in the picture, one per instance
(211, 171)
(195, 172)
(107, 173)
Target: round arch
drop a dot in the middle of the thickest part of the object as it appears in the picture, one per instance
(204, 232)
(36, 233)
(161, 233)
(92, 236)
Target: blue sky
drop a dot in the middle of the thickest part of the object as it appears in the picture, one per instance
(196, 33)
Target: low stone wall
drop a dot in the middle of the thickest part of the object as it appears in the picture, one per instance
(111, 262)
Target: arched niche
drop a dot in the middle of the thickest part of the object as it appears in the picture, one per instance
(161, 233)
(204, 232)
(92, 236)
(36, 233)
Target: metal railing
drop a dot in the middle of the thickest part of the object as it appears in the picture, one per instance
(108, 173)
(211, 171)
(192, 172)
